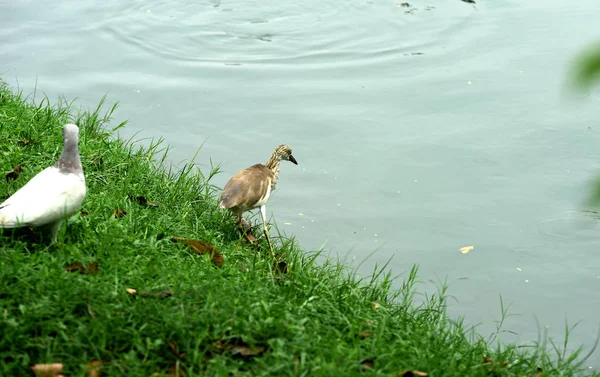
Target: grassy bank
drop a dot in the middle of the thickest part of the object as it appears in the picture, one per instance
(118, 291)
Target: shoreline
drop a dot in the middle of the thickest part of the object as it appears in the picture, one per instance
(150, 305)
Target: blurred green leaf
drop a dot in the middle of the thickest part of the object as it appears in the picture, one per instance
(594, 198)
(586, 69)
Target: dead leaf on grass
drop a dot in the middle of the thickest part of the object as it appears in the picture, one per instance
(282, 268)
(239, 348)
(494, 366)
(375, 305)
(412, 373)
(141, 200)
(93, 368)
(119, 213)
(24, 142)
(160, 294)
(367, 364)
(97, 160)
(91, 268)
(173, 349)
(12, 176)
(75, 267)
(364, 335)
(201, 247)
(176, 370)
(47, 370)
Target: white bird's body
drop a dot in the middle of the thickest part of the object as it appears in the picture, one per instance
(53, 194)
(48, 197)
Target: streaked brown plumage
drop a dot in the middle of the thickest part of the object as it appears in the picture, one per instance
(252, 187)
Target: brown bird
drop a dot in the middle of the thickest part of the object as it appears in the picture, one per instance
(252, 187)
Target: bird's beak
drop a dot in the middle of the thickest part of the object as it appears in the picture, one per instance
(292, 159)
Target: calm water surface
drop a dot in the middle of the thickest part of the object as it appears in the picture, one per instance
(418, 130)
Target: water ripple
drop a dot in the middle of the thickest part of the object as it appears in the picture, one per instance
(215, 32)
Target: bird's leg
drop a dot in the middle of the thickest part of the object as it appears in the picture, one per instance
(55, 227)
(263, 213)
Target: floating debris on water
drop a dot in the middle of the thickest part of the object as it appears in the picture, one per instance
(466, 249)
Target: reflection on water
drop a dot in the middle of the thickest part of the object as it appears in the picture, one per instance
(419, 130)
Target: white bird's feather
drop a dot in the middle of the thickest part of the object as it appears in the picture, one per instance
(48, 197)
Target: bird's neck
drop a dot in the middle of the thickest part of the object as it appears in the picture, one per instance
(273, 166)
(69, 158)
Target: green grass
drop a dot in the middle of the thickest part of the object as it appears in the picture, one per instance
(245, 318)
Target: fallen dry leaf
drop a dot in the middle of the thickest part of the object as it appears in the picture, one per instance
(173, 349)
(47, 370)
(466, 249)
(90, 311)
(403, 5)
(369, 323)
(74, 267)
(239, 348)
(160, 294)
(365, 335)
(141, 200)
(97, 160)
(282, 268)
(131, 291)
(92, 268)
(412, 373)
(24, 142)
(119, 213)
(12, 176)
(93, 368)
(176, 370)
(375, 305)
(201, 247)
(367, 364)
(493, 365)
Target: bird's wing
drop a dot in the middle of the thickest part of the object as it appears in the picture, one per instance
(245, 189)
(47, 197)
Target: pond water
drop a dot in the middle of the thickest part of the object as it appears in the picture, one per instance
(418, 130)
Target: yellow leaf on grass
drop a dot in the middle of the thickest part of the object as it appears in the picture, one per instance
(466, 249)
(131, 291)
(47, 370)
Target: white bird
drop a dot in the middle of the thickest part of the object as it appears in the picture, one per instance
(53, 194)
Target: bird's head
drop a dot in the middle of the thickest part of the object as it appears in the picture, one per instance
(284, 152)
